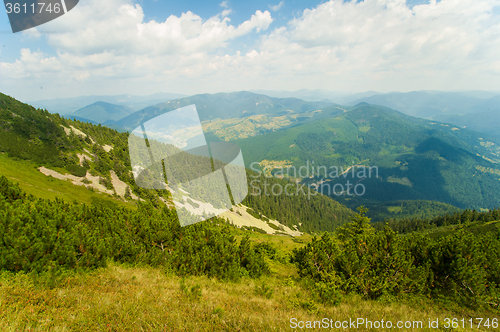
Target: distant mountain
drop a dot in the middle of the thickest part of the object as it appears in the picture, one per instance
(225, 106)
(72, 117)
(486, 122)
(416, 159)
(425, 104)
(488, 105)
(481, 94)
(70, 105)
(104, 113)
(340, 97)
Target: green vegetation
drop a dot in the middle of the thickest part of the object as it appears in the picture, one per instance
(460, 268)
(52, 141)
(339, 275)
(416, 159)
(310, 214)
(38, 235)
(141, 298)
(317, 214)
(401, 210)
(33, 182)
(27, 133)
(463, 218)
(71, 259)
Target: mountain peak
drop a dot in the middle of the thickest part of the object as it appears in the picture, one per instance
(102, 112)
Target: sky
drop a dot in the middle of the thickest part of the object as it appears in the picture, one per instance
(143, 47)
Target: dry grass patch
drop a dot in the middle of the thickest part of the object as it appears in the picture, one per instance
(120, 298)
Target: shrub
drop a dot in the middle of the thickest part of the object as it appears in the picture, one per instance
(273, 226)
(461, 266)
(327, 292)
(77, 170)
(193, 292)
(264, 290)
(252, 260)
(38, 235)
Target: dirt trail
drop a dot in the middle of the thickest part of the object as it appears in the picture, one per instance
(118, 185)
(240, 217)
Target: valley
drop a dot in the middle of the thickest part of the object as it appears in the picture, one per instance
(234, 166)
(99, 246)
(416, 158)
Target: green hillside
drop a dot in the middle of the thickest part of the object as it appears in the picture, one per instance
(118, 263)
(467, 219)
(34, 138)
(416, 159)
(96, 267)
(401, 209)
(486, 122)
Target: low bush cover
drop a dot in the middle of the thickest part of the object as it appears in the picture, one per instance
(461, 267)
(38, 235)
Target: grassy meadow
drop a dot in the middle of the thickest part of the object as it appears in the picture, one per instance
(141, 298)
(32, 181)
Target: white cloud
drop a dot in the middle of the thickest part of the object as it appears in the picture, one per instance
(389, 46)
(224, 4)
(372, 45)
(30, 65)
(118, 27)
(32, 33)
(277, 7)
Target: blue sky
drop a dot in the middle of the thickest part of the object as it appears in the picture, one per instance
(145, 46)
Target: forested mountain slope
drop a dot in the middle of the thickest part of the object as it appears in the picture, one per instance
(416, 159)
(97, 157)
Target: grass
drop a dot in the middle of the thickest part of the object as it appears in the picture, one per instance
(394, 209)
(142, 298)
(34, 182)
(124, 298)
(284, 243)
(404, 181)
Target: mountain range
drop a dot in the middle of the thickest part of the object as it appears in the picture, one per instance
(101, 112)
(417, 159)
(431, 104)
(476, 110)
(53, 156)
(65, 106)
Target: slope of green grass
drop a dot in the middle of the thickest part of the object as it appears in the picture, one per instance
(141, 298)
(33, 182)
(124, 298)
